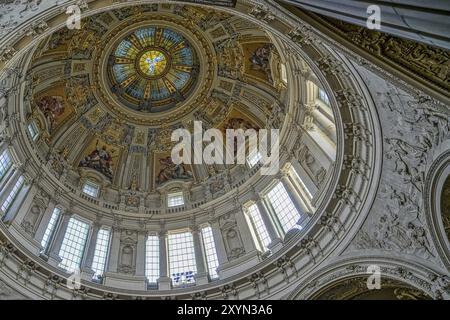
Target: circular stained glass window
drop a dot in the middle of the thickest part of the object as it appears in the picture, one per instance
(153, 69)
(153, 63)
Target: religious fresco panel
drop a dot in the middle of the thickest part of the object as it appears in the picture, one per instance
(101, 157)
(164, 170)
(257, 60)
(52, 103)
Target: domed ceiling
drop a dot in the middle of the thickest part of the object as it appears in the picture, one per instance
(99, 105)
(152, 69)
(107, 97)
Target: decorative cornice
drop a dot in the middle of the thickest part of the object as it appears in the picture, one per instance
(420, 65)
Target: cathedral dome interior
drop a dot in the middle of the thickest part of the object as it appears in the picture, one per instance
(152, 69)
(94, 206)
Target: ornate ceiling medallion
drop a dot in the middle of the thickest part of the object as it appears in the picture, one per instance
(153, 63)
(152, 69)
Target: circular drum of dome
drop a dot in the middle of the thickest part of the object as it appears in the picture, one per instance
(152, 69)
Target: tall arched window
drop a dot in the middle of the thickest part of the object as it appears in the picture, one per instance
(152, 258)
(5, 163)
(209, 247)
(319, 120)
(257, 227)
(182, 264)
(282, 205)
(13, 194)
(101, 252)
(73, 245)
(51, 228)
(33, 130)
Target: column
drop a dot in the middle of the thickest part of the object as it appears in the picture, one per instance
(276, 242)
(164, 281)
(325, 124)
(202, 275)
(56, 243)
(218, 241)
(140, 257)
(86, 270)
(306, 188)
(114, 251)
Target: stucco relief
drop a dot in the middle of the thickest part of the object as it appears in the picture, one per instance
(12, 12)
(314, 169)
(32, 218)
(232, 238)
(425, 61)
(413, 129)
(356, 289)
(127, 257)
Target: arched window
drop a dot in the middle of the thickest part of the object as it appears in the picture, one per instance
(282, 205)
(175, 199)
(284, 77)
(322, 95)
(253, 159)
(182, 264)
(50, 230)
(91, 189)
(258, 228)
(33, 130)
(152, 258)
(5, 163)
(101, 252)
(209, 247)
(73, 245)
(13, 194)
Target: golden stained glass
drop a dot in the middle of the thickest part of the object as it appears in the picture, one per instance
(153, 69)
(153, 63)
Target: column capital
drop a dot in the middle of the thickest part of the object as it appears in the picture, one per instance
(18, 167)
(96, 225)
(255, 197)
(214, 222)
(162, 233)
(52, 201)
(142, 232)
(195, 229)
(281, 175)
(66, 213)
(116, 229)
